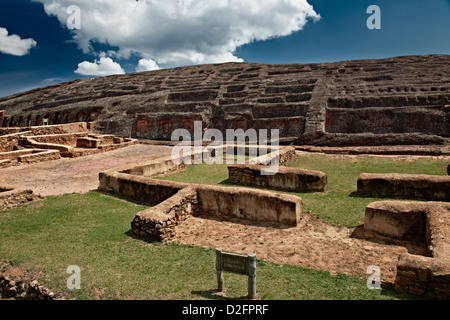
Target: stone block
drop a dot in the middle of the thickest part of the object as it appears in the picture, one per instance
(88, 143)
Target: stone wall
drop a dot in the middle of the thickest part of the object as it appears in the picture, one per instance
(426, 224)
(423, 276)
(8, 142)
(284, 154)
(406, 186)
(51, 146)
(213, 201)
(399, 220)
(285, 179)
(59, 128)
(22, 286)
(159, 222)
(140, 188)
(249, 204)
(11, 197)
(5, 163)
(69, 139)
(41, 156)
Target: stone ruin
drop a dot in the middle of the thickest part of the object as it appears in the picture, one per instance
(45, 143)
(388, 106)
(395, 101)
(175, 202)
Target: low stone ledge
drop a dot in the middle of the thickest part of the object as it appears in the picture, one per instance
(5, 163)
(88, 143)
(14, 155)
(284, 154)
(285, 179)
(61, 138)
(159, 222)
(47, 155)
(24, 289)
(406, 186)
(144, 189)
(423, 276)
(399, 220)
(10, 196)
(248, 204)
(427, 223)
(59, 147)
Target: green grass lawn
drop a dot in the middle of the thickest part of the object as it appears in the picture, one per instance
(338, 205)
(91, 231)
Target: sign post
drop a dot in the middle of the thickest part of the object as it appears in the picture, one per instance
(235, 263)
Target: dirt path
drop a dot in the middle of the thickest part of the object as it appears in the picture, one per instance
(78, 175)
(314, 245)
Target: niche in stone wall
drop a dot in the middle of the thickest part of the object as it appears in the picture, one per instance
(241, 123)
(188, 124)
(80, 116)
(164, 126)
(141, 127)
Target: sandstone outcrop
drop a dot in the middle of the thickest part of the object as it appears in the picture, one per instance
(403, 100)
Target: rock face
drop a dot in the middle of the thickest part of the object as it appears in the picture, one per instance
(404, 99)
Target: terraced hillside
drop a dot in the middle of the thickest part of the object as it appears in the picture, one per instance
(403, 100)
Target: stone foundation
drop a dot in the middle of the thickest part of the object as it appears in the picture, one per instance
(22, 287)
(10, 197)
(159, 222)
(68, 139)
(176, 201)
(41, 156)
(87, 143)
(285, 179)
(405, 186)
(8, 142)
(212, 201)
(423, 223)
(248, 204)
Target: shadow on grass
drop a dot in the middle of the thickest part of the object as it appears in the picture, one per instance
(127, 199)
(213, 294)
(356, 194)
(226, 183)
(130, 234)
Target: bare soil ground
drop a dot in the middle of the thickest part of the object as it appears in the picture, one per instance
(313, 245)
(77, 175)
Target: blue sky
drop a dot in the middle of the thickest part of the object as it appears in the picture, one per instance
(127, 36)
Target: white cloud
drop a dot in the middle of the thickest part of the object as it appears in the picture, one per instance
(103, 67)
(13, 44)
(181, 32)
(146, 65)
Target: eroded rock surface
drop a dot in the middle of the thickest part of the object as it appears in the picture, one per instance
(405, 100)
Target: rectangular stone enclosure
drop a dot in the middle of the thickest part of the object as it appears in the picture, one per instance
(285, 178)
(426, 224)
(405, 186)
(175, 202)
